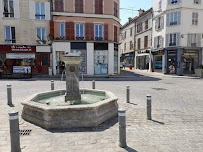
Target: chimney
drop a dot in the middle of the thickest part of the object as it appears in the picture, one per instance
(140, 11)
(129, 19)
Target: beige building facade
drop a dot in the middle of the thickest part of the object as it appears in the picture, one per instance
(24, 40)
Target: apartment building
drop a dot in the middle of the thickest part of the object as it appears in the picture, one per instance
(89, 28)
(143, 39)
(127, 41)
(177, 36)
(24, 40)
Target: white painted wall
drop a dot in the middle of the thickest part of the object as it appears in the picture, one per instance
(111, 59)
(90, 58)
(187, 8)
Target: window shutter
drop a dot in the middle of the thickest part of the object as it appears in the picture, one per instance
(32, 9)
(1, 9)
(100, 6)
(160, 42)
(162, 22)
(78, 6)
(179, 17)
(67, 31)
(72, 30)
(168, 19)
(47, 10)
(59, 6)
(96, 5)
(189, 40)
(169, 2)
(156, 24)
(56, 5)
(115, 33)
(52, 29)
(16, 9)
(198, 40)
(167, 40)
(91, 31)
(87, 30)
(106, 32)
(178, 39)
(155, 42)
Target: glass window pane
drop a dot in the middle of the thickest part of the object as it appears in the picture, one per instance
(171, 18)
(77, 30)
(81, 30)
(39, 33)
(13, 34)
(11, 8)
(62, 30)
(100, 30)
(8, 34)
(42, 11)
(96, 31)
(175, 18)
(37, 12)
(43, 34)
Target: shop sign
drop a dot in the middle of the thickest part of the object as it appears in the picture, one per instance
(21, 69)
(20, 56)
(190, 51)
(17, 48)
(172, 52)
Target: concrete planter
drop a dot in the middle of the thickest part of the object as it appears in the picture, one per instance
(64, 117)
(199, 73)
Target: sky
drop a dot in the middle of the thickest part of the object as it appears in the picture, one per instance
(132, 4)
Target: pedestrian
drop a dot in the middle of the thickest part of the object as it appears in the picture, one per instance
(123, 64)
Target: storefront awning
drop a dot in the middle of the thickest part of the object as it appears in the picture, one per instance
(20, 56)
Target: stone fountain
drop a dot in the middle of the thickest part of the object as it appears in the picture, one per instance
(70, 108)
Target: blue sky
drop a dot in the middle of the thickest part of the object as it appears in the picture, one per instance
(132, 4)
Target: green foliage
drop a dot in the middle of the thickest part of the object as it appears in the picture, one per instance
(201, 66)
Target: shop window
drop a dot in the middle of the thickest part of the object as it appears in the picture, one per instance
(98, 32)
(79, 31)
(10, 34)
(8, 8)
(41, 35)
(194, 18)
(40, 11)
(101, 62)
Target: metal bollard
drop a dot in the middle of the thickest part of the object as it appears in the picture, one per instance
(128, 94)
(149, 107)
(122, 127)
(9, 94)
(93, 84)
(52, 84)
(14, 131)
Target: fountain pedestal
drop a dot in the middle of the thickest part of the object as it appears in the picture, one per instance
(72, 77)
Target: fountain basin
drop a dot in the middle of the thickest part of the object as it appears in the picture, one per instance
(69, 116)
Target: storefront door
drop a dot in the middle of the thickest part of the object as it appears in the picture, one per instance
(42, 63)
(172, 62)
(101, 62)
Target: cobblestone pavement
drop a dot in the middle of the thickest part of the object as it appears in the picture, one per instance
(177, 115)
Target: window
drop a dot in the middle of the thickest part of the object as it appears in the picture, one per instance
(115, 9)
(160, 4)
(40, 11)
(79, 6)
(146, 24)
(98, 6)
(194, 40)
(197, 1)
(194, 18)
(62, 30)
(172, 39)
(131, 45)
(174, 18)
(139, 28)
(8, 8)
(41, 35)
(145, 41)
(125, 35)
(131, 31)
(138, 44)
(10, 34)
(159, 23)
(79, 31)
(98, 32)
(124, 47)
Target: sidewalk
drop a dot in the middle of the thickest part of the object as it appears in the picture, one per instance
(158, 74)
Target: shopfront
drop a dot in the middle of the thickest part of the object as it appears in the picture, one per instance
(190, 59)
(171, 61)
(129, 59)
(157, 61)
(101, 58)
(143, 60)
(23, 59)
